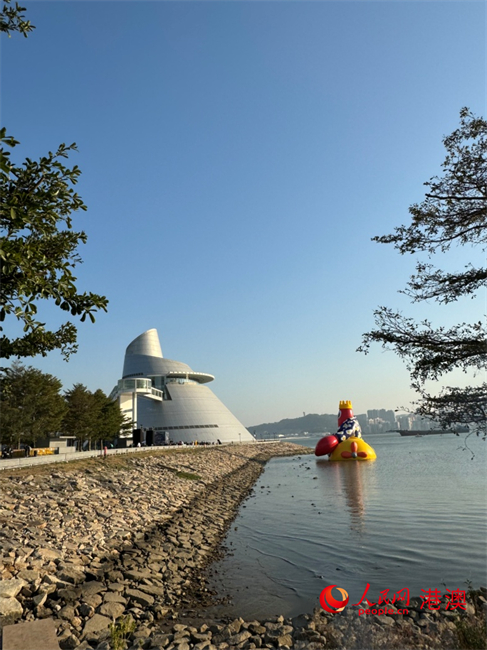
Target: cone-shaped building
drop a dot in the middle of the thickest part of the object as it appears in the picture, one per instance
(171, 399)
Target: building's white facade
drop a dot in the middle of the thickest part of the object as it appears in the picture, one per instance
(167, 396)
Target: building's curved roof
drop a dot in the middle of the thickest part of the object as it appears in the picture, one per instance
(146, 344)
(143, 358)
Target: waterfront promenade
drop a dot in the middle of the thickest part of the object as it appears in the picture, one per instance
(66, 457)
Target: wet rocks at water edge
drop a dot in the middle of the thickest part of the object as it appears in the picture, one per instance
(114, 552)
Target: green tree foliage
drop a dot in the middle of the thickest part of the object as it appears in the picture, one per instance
(454, 212)
(91, 417)
(12, 19)
(80, 418)
(38, 246)
(109, 420)
(32, 407)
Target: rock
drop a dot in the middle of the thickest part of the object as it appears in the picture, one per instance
(161, 640)
(153, 590)
(11, 588)
(235, 626)
(96, 624)
(10, 608)
(69, 642)
(383, 619)
(113, 597)
(182, 645)
(91, 588)
(48, 553)
(72, 575)
(139, 597)
(67, 613)
(69, 595)
(43, 612)
(40, 635)
(40, 599)
(238, 638)
(29, 575)
(138, 575)
(86, 610)
(284, 640)
(93, 601)
(112, 609)
(115, 576)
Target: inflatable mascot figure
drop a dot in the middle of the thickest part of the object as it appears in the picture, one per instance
(347, 443)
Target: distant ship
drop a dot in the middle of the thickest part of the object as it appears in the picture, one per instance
(429, 432)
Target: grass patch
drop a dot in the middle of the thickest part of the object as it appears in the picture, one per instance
(471, 633)
(120, 631)
(188, 476)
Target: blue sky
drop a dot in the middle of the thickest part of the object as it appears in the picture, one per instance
(237, 158)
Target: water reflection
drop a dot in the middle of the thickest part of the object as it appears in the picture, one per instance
(350, 481)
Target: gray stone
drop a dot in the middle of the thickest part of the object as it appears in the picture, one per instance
(48, 553)
(112, 610)
(153, 590)
(94, 601)
(69, 642)
(384, 620)
(235, 626)
(11, 588)
(67, 613)
(115, 576)
(40, 599)
(86, 610)
(10, 608)
(181, 644)
(138, 575)
(236, 639)
(160, 640)
(91, 588)
(69, 594)
(72, 575)
(43, 612)
(284, 640)
(40, 635)
(139, 597)
(96, 624)
(113, 597)
(30, 575)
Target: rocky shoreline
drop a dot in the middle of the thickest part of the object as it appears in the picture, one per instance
(116, 548)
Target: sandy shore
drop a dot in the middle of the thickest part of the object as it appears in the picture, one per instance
(92, 542)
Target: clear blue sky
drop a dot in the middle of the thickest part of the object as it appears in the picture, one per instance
(237, 159)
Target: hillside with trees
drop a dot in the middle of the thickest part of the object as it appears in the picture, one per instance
(311, 423)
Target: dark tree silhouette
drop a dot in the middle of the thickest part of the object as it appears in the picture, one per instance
(454, 212)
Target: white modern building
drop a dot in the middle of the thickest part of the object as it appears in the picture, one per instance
(171, 399)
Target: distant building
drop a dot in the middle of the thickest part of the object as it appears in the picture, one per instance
(172, 400)
(405, 422)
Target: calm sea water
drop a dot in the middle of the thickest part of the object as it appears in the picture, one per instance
(415, 518)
